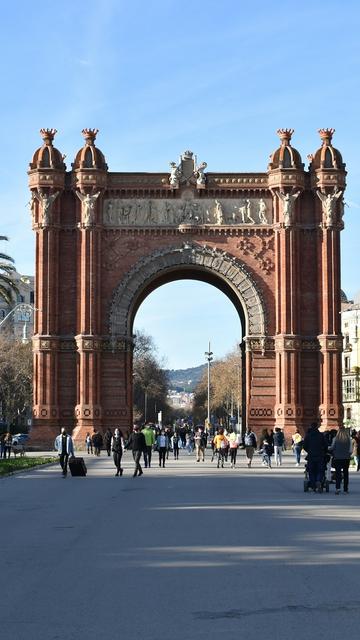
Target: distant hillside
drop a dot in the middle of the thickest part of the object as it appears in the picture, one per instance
(185, 379)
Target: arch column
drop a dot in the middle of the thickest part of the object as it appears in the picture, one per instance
(88, 411)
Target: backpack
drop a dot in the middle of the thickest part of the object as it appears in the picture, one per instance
(250, 440)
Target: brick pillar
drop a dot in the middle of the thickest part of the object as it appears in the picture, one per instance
(331, 409)
(45, 400)
(89, 343)
(288, 407)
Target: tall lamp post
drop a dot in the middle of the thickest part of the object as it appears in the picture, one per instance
(209, 358)
(26, 311)
(238, 398)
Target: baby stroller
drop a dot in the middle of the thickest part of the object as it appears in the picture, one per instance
(325, 484)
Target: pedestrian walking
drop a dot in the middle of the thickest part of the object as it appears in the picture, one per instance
(189, 443)
(250, 445)
(2, 445)
(356, 449)
(149, 435)
(88, 443)
(97, 441)
(279, 441)
(7, 445)
(316, 449)
(182, 434)
(117, 446)
(175, 444)
(267, 451)
(107, 441)
(234, 442)
(137, 444)
(162, 442)
(168, 433)
(200, 444)
(221, 445)
(297, 445)
(341, 449)
(65, 448)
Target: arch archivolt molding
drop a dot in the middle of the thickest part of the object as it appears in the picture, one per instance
(228, 268)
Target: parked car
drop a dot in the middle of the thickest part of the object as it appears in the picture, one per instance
(20, 438)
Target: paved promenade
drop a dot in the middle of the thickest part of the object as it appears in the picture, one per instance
(181, 553)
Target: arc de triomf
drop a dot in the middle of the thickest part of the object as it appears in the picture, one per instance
(270, 241)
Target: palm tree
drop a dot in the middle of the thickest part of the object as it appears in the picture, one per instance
(7, 283)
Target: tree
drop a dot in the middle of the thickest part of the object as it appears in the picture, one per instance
(16, 368)
(7, 283)
(150, 380)
(225, 390)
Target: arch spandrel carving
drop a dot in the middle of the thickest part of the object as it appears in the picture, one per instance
(149, 268)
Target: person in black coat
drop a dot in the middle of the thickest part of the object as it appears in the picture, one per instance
(316, 449)
(97, 441)
(117, 449)
(107, 441)
(137, 444)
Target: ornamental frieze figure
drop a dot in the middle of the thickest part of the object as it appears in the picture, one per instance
(288, 205)
(46, 200)
(205, 211)
(88, 203)
(329, 201)
(187, 172)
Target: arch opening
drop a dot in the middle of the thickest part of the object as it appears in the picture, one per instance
(189, 261)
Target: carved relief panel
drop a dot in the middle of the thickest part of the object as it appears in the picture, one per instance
(205, 211)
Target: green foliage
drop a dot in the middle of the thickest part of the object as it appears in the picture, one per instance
(150, 380)
(7, 269)
(17, 464)
(16, 367)
(225, 390)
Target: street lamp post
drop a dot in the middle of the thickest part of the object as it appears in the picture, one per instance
(209, 359)
(238, 398)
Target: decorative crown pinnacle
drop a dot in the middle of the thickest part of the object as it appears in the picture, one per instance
(285, 135)
(48, 135)
(90, 135)
(326, 135)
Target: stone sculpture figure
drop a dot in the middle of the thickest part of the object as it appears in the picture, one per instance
(262, 211)
(219, 213)
(175, 174)
(245, 212)
(329, 201)
(47, 200)
(248, 211)
(87, 207)
(288, 200)
(199, 174)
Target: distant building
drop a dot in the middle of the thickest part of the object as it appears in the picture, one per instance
(180, 399)
(350, 326)
(20, 318)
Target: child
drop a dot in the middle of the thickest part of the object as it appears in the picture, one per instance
(267, 453)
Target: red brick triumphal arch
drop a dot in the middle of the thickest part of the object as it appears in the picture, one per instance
(270, 241)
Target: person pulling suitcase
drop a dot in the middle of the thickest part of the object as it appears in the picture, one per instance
(65, 448)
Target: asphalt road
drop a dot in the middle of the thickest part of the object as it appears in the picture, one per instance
(181, 553)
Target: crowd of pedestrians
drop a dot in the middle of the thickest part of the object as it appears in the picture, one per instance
(321, 451)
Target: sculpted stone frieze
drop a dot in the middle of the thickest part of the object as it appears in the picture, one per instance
(198, 211)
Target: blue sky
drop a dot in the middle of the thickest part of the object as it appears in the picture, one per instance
(160, 77)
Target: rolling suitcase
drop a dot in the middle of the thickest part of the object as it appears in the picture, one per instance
(77, 467)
